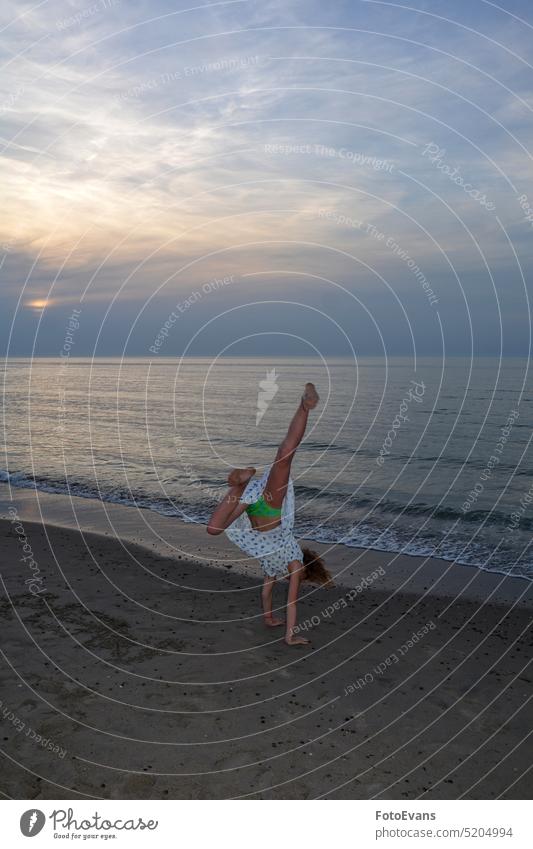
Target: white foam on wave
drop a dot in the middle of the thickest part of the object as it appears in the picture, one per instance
(365, 535)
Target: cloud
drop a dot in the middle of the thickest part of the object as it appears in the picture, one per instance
(148, 147)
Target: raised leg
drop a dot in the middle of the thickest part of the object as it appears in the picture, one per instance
(278, 479)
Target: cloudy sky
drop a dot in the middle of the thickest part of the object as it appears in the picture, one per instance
(311, 176)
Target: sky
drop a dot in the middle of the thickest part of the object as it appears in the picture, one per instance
(260, 178)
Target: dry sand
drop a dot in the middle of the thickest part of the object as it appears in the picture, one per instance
(139, 668)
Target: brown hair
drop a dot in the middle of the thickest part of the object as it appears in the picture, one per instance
(314, 570)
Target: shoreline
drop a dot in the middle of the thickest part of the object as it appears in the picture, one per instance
(176, 539)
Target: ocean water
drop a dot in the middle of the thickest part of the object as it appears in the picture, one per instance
(395, 458)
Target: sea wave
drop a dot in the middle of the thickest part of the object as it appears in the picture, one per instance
(379, 536)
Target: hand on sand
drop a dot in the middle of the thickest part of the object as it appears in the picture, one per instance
(310, 398)
(272, 622)
(297, 641)
(240, 477)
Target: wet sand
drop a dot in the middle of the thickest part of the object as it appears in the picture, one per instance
(135, 665)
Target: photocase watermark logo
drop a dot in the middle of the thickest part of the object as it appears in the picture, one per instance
(267, 390)
(411, 395)
(32, 822)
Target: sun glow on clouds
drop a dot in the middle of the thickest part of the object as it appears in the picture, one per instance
(115, 152)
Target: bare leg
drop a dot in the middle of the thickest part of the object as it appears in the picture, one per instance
(227, 511)
(296, 571)
(266, 600)
(278, 479)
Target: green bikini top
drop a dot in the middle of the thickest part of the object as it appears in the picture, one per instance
(261, 508)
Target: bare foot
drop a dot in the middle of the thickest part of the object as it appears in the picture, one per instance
(239, 477)
(273, 622)
(297, 641)
(310, 398)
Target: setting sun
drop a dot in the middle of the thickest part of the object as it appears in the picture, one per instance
(38, 304)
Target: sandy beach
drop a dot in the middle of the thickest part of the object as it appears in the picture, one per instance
(135, 665)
